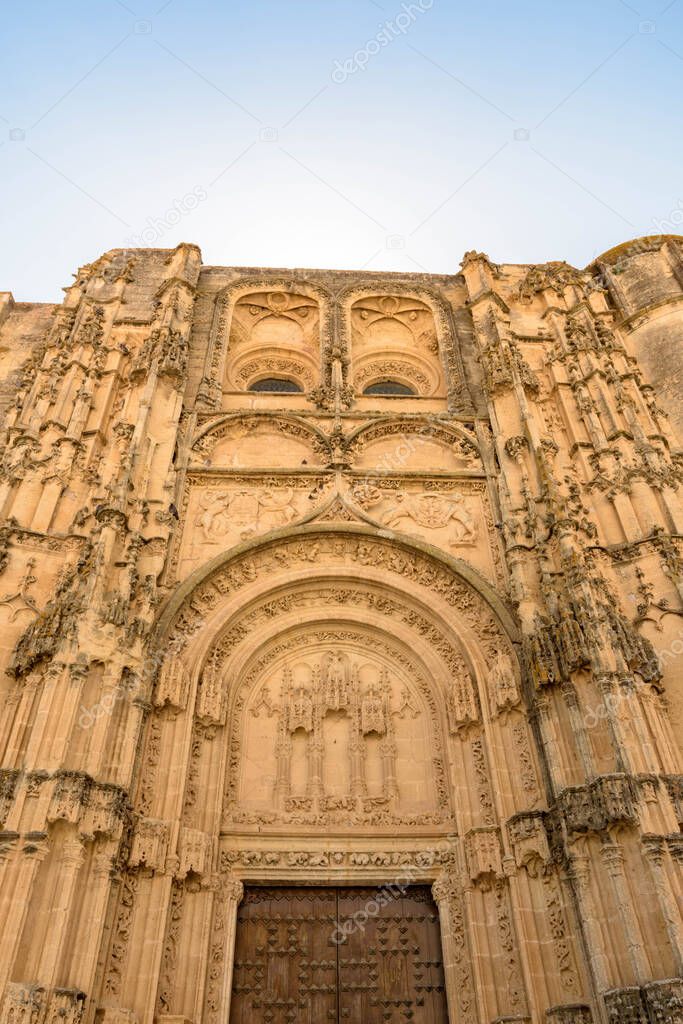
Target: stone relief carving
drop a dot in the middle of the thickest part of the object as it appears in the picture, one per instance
(264, 315)
(506, 937)
(173, 683)
(343, 551)
(257, 441)
(397, 306)
(377, 494)
(372, 317)
(398, 445)
(334, 734)
(229, 509)
(448, 895)
(483, 856)
(420, 860)
(429, 510)
(121, 935)
(274, 333)
(422, 378)
(502, 681)
(394, 337)
(21, 600)
(252, 510)
(355, 685)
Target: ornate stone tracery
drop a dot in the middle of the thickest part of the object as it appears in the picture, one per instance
(266, 327)
(425, 317)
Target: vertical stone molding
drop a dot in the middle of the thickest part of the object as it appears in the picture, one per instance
(227, 898)
(460, 985)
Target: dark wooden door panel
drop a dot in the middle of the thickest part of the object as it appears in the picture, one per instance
(390, 968)
(285, 960)
(292, 968)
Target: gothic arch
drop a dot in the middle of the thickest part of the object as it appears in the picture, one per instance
(460, 570)
(446, 626)
(225, 301)
(210, 434)
(272, 653)
(460, 441)
(437, 633)
(449, 349)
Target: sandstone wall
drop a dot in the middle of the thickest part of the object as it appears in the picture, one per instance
(414, 609)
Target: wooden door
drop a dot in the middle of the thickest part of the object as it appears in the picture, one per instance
(347, 956)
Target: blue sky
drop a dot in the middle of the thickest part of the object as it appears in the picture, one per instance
(381, 134)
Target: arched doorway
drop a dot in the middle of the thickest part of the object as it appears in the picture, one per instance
(335, 708)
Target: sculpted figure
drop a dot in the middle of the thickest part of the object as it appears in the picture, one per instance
(502, 682)
(213, 521)
(276, 508)
(251, 510)
(335, 682)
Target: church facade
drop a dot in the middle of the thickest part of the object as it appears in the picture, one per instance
(342, 644)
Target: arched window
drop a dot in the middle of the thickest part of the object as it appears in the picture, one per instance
(388, 387)
(277, 385)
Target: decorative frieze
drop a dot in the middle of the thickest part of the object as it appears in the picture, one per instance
(664, 1001)
(23, 1004)
(625, 1006)
(570, 1014)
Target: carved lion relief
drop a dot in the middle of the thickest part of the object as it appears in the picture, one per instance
(226, 510)
(445, 518)
(454, 515)
(251, 509)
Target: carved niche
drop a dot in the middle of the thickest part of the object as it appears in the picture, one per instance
(393, 337)
(274, 333)
(334, 730)
(401, 445)
(257, 442)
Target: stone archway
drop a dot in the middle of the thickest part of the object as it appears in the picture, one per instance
(335, 706)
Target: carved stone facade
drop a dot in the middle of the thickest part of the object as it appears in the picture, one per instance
(335, 579)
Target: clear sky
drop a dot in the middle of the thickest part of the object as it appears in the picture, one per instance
(381, 134)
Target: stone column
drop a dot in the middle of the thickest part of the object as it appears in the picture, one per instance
(653, 850)
(356, 768)
(316, 753)
(613, 856)
(580, 874)
(70, 858)
(222, 952)
(457, 961)
(85, 955)
(29, 857)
